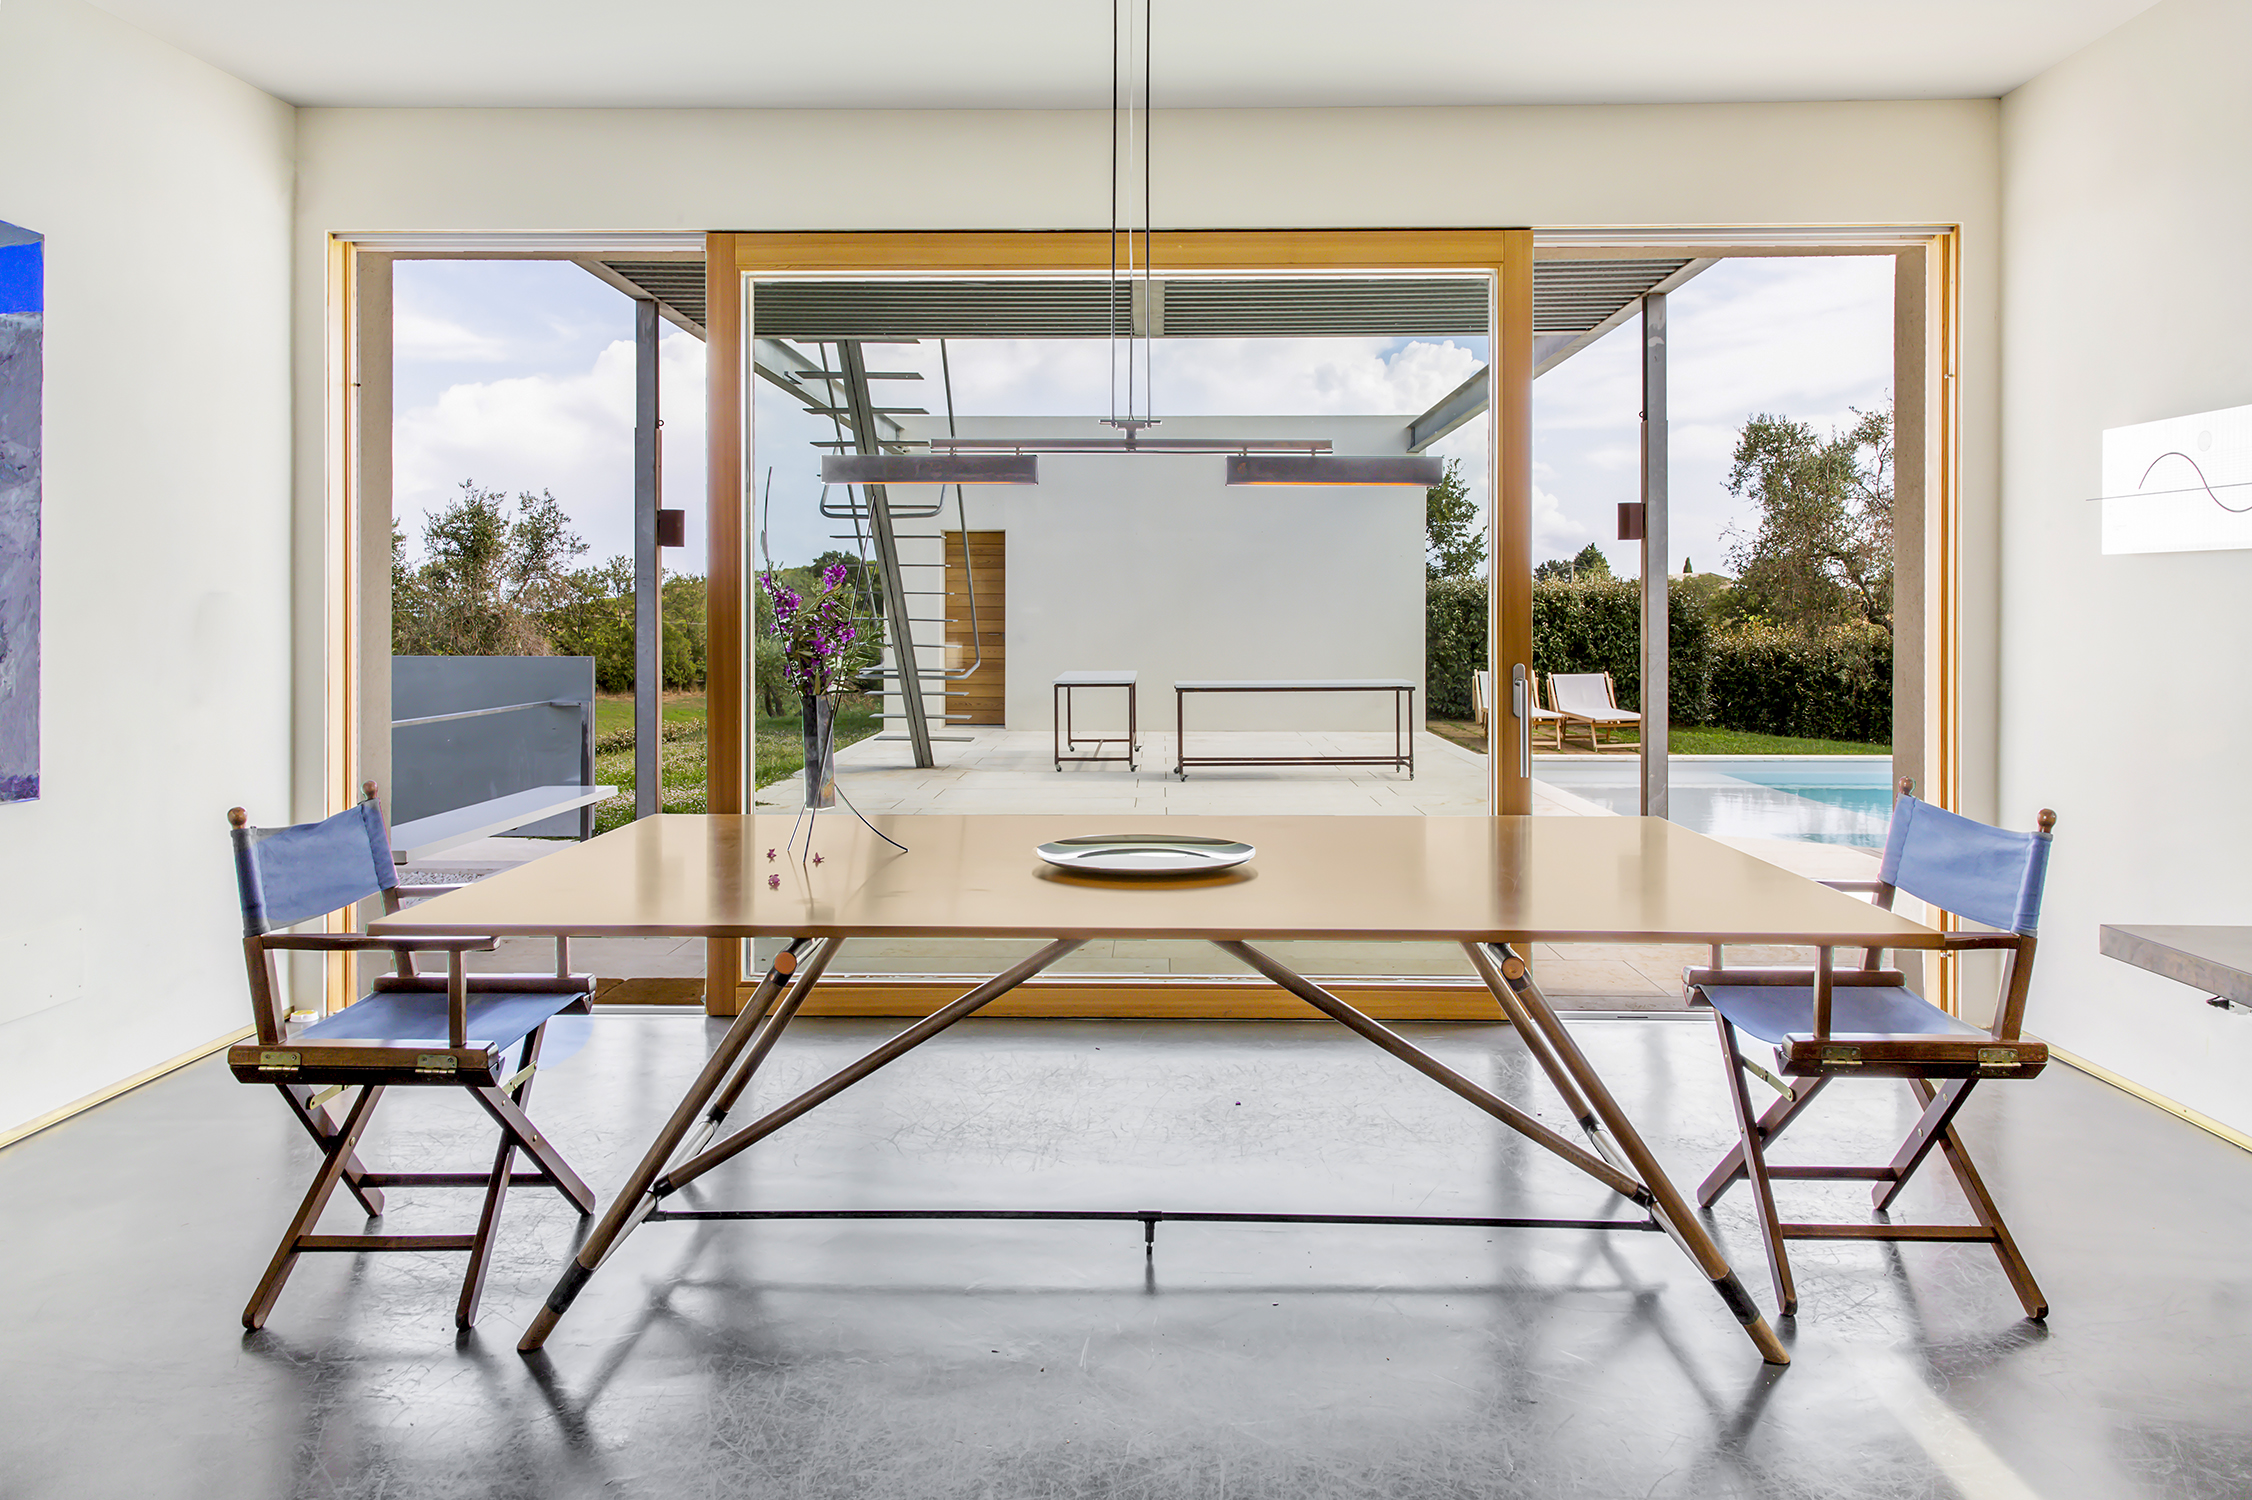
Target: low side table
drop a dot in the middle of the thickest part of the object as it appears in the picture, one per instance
(1065, 740)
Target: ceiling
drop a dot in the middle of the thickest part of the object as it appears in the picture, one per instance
(1042, 54)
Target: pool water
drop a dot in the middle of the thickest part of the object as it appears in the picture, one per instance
(1819, 799)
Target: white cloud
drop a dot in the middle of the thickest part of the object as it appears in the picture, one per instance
(1809, 339)
(1555, 533)
(569, 433)
(416, 335)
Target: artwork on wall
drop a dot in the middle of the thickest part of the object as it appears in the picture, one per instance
(23, 304)
(2183, 484)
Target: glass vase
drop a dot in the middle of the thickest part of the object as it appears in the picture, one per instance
(820, 720)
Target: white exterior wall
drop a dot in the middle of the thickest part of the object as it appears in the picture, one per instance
(2126, 705)
(1153, 564)
(163, 187)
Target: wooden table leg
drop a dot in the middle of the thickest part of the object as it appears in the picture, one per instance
(633, 1199)
(1673, 1211)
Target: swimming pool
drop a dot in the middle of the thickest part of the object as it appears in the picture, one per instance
(1819, 799)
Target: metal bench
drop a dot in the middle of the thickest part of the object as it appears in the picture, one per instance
(1403, 728)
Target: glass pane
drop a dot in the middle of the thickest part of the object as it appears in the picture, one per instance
(1147, 563)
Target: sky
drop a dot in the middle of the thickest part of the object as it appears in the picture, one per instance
(519, 376)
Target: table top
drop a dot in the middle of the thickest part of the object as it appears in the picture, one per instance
(1097, 679)
(1299, 685)
(2217, 960)
(1499, 879)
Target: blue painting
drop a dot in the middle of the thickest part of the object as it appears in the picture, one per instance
(23, 315)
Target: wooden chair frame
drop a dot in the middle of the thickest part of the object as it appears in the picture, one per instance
(1545, 713)
(1939, 1070)
(309, 1074)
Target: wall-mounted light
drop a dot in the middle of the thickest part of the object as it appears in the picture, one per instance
(1419, 470)
(930, 468)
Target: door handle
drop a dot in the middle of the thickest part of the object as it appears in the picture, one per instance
(1520, 705)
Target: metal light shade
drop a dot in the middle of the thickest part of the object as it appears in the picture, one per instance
(930, 468)
(1338, 469)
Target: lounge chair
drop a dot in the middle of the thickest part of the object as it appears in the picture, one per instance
(1588, 698)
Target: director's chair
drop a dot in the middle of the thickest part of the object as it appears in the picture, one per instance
(412, 1029)
(1828, 1023)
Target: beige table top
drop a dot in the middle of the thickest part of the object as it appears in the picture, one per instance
(1513, 879)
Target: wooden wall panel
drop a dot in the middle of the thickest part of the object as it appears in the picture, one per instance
(982, 697)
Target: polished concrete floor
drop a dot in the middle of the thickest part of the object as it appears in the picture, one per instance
(986, 1359)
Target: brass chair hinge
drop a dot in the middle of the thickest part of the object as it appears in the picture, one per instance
(278, 1062)
(436, 1062)
(1841, 1057)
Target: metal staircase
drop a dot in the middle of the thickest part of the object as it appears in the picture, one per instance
(906, 544)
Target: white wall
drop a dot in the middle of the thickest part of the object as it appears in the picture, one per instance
(2127, 706)
(164, 188)
(1153, 564)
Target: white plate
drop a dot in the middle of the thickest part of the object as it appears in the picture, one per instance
(1145, 854)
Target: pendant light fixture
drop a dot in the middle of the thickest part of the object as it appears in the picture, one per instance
(1133, 281)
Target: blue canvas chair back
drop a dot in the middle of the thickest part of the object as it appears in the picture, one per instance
(288, 875)
(1988, 875)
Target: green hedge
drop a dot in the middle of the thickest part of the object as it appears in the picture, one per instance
(1589, 626)
(1833, 684)
(1454, 643)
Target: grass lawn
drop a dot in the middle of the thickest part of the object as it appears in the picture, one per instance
(779, 752)
(1685, 740)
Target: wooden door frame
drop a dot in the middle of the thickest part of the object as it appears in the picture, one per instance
(734, 259)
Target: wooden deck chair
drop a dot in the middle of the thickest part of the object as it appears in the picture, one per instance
(1828, 1023)
(1544, 716)
(413, 1029)
(1589, 699)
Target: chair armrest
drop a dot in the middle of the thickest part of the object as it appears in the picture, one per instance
(358, 942)
(1692, 977)
(1958, 940)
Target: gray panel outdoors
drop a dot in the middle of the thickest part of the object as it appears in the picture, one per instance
(436, 768)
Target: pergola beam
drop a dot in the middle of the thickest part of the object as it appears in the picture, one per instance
(1467, 400)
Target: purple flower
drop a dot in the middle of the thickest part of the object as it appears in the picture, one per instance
(774, 882)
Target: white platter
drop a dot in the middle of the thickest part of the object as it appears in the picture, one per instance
(1145, 854)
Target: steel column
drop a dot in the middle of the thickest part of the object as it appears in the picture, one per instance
(1657, 629)
(648, 567)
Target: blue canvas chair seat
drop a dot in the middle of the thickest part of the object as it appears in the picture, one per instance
(1773, 1012)
(497, 1021)
(480, 1032)
(1826, 1024)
